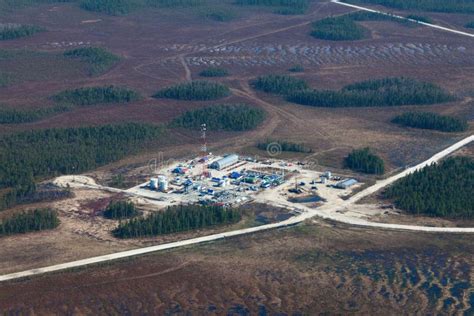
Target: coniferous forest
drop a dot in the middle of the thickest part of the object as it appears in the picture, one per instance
(363, 160)
(229, 117)
(177, 219)
(29, 156)
(434, 121)
(13, 31)
(341, 28)
(195, 90)
(380, 92)
(279, 84)
(99, 59)
(442, 190)
(37, 220)
(120, 210)
(97, 95)
(284, 145)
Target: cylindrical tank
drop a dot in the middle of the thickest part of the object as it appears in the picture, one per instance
(163, 184)
(153, 183)
(324, 180)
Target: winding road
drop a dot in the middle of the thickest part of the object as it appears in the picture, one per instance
(326, 212)
(330, 212)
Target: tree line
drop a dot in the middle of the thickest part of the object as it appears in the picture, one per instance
(462, 6)
(279, 84)
(341, 28)
(99, 59)
(284, 145)
(25, 222)
(13, 31)
(364, 160)
(177, 219)
(434, 121)
(195, 90)
(214, 72)
(28, 156)
(120, 210)
(380, 92)
(15, 116)
(284, 7)
(442, 190)
(97, 95)
(229, 117)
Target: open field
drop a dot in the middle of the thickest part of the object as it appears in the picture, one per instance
(317, 266)
(302, 270)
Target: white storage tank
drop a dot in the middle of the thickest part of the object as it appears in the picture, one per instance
(163, 184)
(153, 183)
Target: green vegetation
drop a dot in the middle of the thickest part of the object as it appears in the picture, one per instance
(442, 190)
(420, 18)
(461, 6)
(470, 25)
(285, 7)
(214, 72)
(341, 28)
(97, 95)
(219, 14)
(296, 68)
(29, 156)
(380, 92)
(99, 59)
(363, 160)
(427, 120)
(110, 7)
(195, 90)
(120, 210)
(177, 219)
(5, 79)
(285, 146)
(229, 117)
(13, 31)
(279, 84)
(37, 220)
(174, 3)
(14, 116)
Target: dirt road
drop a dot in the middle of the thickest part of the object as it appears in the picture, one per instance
(326, 212)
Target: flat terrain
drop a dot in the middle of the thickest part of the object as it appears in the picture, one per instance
(312, 268)
(316, 267)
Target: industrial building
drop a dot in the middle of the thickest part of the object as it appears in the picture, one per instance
(225, 162)
(345, 184)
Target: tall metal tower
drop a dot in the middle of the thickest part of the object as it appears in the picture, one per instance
(203, 137)
(204, 149)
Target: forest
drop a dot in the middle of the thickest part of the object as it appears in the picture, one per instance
(379, 92)
(120, 210)
(229, 117)
(296, 68)
(194, 91)
(419, 18)
(442, 190)
(6, 79)
(363, 160)
(470, 25)
(97, 95)
(341, 28)
(29, 156)
(15, 116)
(25, 222)
(284, 7)
(214, 72)
(177, 219)
(284, 145)
(99, 59)
(110, 7)
(434, 121)
(461, 6)
(279, 84)
(13, 31)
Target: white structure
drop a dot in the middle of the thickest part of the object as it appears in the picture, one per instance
(225, 162)
(153, 183)
(162, 183)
